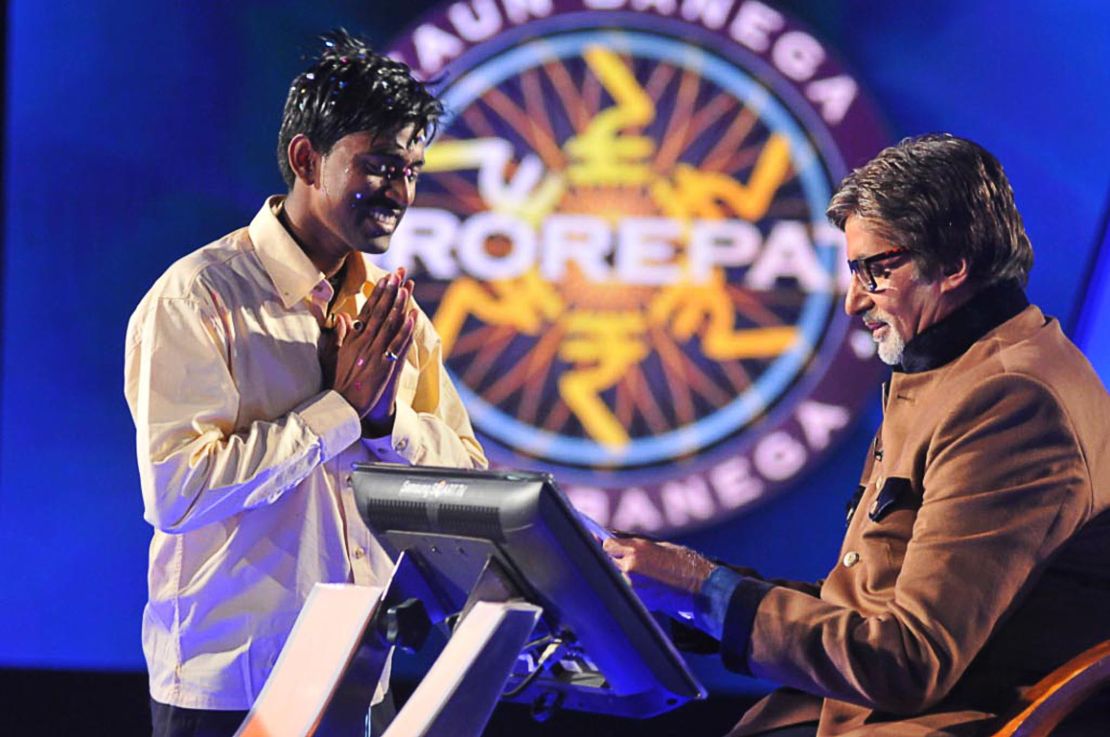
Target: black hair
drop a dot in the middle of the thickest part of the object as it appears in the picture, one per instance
(349, 88)
(945, 198)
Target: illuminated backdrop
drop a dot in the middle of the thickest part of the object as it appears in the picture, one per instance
(137, 132)
(620, 236)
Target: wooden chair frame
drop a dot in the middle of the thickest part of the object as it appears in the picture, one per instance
(1056, 695)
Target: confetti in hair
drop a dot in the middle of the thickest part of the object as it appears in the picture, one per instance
(347, 89)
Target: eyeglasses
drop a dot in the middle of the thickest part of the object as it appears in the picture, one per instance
(869, 271)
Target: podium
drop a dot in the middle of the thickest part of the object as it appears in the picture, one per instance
(535, 612)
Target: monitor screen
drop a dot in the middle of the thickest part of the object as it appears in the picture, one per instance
(614, 659)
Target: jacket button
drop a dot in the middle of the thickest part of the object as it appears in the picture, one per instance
(850, 559)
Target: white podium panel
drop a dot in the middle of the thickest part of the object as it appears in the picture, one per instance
(324, 642)
(458, 694)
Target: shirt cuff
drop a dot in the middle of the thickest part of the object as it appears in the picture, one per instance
(711, 603)
(739, 618)
(331, 418)
(398, 446)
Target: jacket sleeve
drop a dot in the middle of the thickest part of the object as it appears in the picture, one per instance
(195, 467)
(701, 632)
(1004, 485)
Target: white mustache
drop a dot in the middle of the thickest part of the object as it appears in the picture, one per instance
(873, 316)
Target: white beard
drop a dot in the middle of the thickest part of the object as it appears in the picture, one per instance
(891, 347)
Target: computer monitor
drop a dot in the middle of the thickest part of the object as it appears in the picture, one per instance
(614, 658)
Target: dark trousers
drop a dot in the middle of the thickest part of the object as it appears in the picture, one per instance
(175, 721)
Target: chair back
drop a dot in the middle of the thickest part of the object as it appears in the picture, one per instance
(1059, 693)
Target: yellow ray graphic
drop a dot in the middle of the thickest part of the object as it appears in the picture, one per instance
(610, 343)
(525, 304)
(686, 308)
(697, 193)
(603, 351)
(531, 193)
(601, 155)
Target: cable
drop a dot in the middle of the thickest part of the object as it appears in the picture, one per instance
(553, 647)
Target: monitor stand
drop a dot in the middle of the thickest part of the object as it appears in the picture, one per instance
(331, 664)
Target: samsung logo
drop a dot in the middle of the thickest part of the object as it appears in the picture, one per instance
(436, 490)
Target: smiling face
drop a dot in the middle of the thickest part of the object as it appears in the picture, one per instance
(367, 182)
(353, 197)
(906, 302)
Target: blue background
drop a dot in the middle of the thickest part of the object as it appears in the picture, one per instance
(138, 131)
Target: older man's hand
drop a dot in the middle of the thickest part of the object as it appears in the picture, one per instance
(666, 577)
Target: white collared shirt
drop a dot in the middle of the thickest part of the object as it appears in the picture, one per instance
(244, 459)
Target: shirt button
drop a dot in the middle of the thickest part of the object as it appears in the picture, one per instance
(348, 480)
(879, 481)
(874, 507)
(402, 444)
(851, 558)
(358, 554)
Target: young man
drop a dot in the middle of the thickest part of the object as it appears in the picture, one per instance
(977, 556)
(260, 368)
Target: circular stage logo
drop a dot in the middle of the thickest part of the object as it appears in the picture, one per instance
(620, 237)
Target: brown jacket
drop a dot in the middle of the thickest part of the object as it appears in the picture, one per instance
(979, 556)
